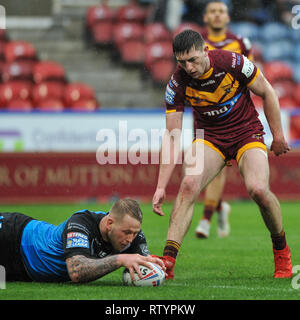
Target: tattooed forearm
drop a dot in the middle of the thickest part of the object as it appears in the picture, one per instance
(83, 269)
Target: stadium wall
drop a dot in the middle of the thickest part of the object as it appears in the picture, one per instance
(76, 177)
(47, 157)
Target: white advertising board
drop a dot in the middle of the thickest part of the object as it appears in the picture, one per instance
(85, 132)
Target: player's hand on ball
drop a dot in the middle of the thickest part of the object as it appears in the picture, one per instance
(132, 263)
(158, 200)
(280, 146)
(155, 259)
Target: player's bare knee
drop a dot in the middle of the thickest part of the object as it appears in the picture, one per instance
(258, 193)
(190, 186)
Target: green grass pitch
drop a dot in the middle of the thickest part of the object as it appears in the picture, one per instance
(239, 267)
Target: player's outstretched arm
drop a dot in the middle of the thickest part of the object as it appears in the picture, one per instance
(262, 88)
(84, 269)
(170, 152)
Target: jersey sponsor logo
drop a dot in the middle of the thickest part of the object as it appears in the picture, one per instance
(208, 83)
(215, 112)
(170, 83)
(77, 240)
(233, 63)
(78, 226)
(102, 254)
(224, 108)
(169, 96)
(174, 81)
(248, 67)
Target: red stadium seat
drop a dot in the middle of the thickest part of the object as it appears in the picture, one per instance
(48, 71)
(99, 13)
(277, 70)
(287, 103)
(19, 105)
(99, 24)
(155, 32)
(75, 92)
(131, 13)
(127, 31)
(50, 105)
(2, 51)
(18, 70)
(156, 51)
(296, 94)
(85, 105)
(15, 90)
(133, 52)
(19, 50)
(284, 88)
(295, 128)
(46, 90)
(3, 36)
(186, 25)
(257, 53)
(102, 33)
(162, 70)
(2, 64)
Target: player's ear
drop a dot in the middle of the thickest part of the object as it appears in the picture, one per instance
(109, 223)
(228, 19)
(205, 49)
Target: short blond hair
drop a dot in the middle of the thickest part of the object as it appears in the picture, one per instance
(127, 206)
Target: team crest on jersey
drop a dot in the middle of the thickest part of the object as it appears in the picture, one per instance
(227, 88)
(169, 96)
(248, 67)
(77, 240)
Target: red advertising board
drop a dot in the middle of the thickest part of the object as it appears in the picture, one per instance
(45, 177)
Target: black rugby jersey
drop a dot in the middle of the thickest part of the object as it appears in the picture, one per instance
(81, 236)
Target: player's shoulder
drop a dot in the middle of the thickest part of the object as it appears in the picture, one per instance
(229, 61)
(245, 42)
(231, 35)
(204, 33)
(85, 218)
(89, 213)
(220, 58)
(178, 78)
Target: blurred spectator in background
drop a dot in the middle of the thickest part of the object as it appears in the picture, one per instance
(169, 12)
(257, 11)
(262, 11)
(173, 12)
(193, 10)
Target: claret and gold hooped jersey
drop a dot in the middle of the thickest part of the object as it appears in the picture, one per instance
(220, 98)
(229, 41)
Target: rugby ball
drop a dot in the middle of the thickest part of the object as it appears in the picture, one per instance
(151, 278)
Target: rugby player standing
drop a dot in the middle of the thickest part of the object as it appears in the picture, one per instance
(217, 84)
(217, 36)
